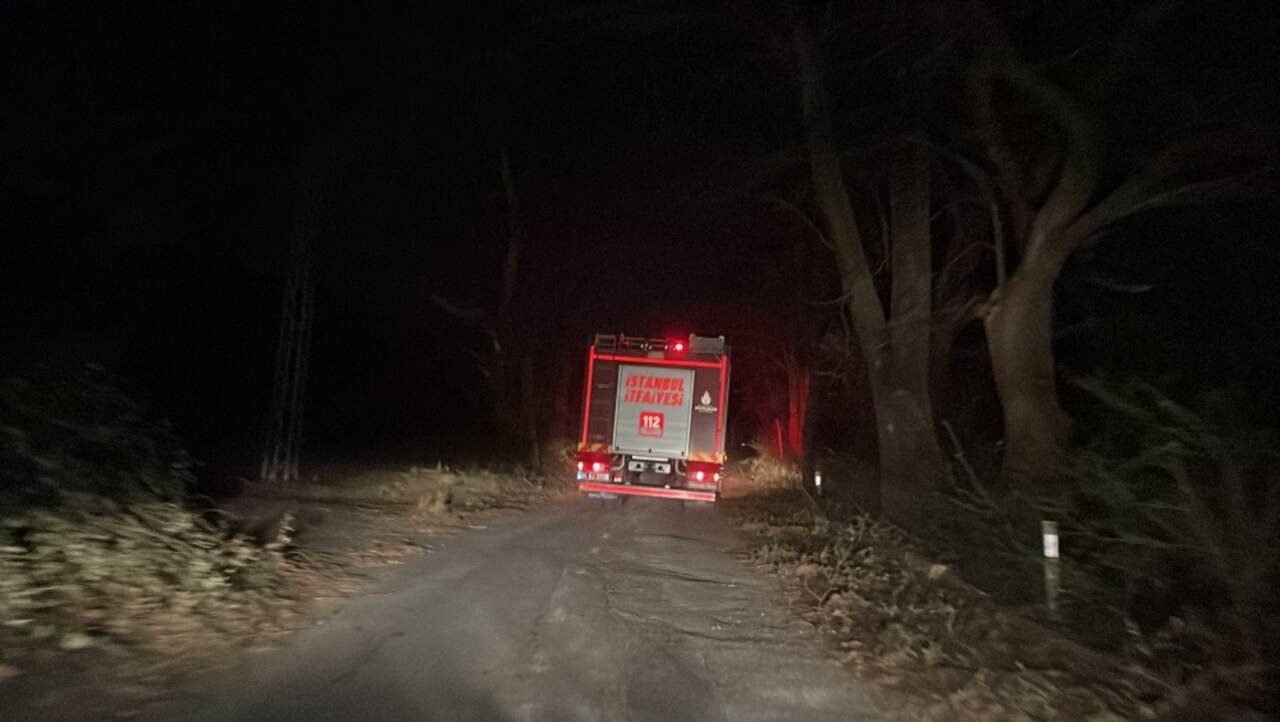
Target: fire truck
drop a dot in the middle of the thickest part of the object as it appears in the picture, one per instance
(653, 420)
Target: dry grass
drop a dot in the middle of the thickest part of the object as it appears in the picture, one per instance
(763, 472)
(439, 490)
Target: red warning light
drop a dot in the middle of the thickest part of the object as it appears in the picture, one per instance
(679, 346)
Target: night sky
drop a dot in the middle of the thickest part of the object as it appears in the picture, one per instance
(150, 156)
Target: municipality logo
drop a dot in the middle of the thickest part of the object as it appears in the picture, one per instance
(705, 406)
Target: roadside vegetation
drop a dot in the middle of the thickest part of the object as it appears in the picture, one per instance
(1166, 606)
(109, 557)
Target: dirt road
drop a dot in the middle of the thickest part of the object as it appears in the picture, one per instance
(576, 612)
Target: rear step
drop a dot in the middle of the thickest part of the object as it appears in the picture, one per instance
(686, 494)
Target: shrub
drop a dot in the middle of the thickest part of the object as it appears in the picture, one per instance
(767, 468)
(77, 433)
(1168, 539)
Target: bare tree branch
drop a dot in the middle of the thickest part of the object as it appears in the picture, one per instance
(1078, 178)
(470, 315)
(512, 260)
(1162, 182)
(985, 186)
(804, 217)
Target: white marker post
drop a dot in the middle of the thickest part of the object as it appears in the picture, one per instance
(817, 481)
(1049, 530)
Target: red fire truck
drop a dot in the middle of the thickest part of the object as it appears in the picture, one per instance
(653, 421)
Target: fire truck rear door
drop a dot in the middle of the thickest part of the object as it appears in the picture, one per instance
(652, 415)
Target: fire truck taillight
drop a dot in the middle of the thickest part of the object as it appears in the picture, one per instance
(704, 475)
(678, 346)
(580, 465)
(598, 467)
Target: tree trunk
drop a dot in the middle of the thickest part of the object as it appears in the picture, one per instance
(895, 345)
(563, 421)
(798, 380)
(1019, 321)
(941, 377)
(910, 459)
(900, 375)
(529, 411)
(1019, 329)
(515, 358)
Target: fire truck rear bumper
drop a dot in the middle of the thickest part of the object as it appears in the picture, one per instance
(657, 491)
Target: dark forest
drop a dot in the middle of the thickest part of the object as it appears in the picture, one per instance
(983, 265)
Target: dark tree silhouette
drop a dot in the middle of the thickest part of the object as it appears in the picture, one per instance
(1059, 196)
